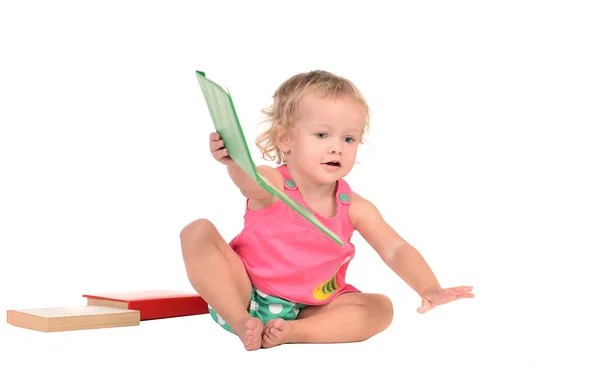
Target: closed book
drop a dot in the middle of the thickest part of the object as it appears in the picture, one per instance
(152, 304)
(56, 319)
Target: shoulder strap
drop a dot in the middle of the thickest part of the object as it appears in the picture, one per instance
(344, 193)
(288, 183)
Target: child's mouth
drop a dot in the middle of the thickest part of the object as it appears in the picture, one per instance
(333, 164)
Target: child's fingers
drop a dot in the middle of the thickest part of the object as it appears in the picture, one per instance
(217, 145)
(462, 289)
(220, 153)
(214, 136)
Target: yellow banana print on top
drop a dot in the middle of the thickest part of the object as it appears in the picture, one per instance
(325, 289)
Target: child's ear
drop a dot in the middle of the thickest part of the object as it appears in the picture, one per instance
(283, 139)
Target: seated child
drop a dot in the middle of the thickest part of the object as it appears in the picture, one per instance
(281, 280)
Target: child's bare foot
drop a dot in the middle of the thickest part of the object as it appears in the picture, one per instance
(251, 334)
(277, 332)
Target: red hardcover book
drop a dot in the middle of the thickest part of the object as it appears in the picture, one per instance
(152, 304)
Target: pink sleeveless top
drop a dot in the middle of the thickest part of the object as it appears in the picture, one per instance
(288, 257)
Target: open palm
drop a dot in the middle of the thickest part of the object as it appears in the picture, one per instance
(442, 296)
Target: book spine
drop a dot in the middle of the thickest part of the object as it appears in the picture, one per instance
(169, 307)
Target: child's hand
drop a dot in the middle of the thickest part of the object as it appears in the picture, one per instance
(438, 296)
(218, 150)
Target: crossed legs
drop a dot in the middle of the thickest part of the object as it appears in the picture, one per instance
(216, 272)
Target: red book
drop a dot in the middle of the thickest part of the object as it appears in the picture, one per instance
(152, 304)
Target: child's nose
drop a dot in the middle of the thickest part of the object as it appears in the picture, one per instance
(336, 147)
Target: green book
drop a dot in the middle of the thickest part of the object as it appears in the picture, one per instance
(225, 120)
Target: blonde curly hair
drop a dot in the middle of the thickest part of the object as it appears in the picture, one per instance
(280, 114)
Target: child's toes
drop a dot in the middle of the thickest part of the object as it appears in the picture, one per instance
(275, 333)
(266, 342)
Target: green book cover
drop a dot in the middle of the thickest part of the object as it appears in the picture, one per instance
(226, 123)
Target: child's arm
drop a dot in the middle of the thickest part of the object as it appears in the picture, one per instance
(248, 186)
(402, 257)
(397, 253)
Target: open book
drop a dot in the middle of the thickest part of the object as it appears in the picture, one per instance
(228, 126)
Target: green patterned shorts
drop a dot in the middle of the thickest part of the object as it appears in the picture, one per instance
(265, 308)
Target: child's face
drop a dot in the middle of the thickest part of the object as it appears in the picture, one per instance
(327, 134)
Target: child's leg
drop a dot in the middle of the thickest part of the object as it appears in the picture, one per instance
(351, 317)
(219, 276)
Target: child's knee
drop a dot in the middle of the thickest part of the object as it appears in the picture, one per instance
(197, 231)
(384, 308)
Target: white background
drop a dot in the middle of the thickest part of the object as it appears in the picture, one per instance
(485, 115)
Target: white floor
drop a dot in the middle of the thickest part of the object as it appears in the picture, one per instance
(485, 113)
(465, 344)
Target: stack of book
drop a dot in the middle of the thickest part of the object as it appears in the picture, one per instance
(106, 310)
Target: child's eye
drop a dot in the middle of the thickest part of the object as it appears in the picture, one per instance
(320, 135)
(349, 139)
